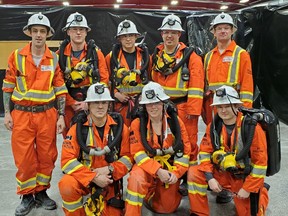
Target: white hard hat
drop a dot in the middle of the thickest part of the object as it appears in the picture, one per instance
(76, 20)
(153, 93)
(38, 19)
(222, 18)
(171, 22)
(226, 95)
(126, 27)
(98, 92)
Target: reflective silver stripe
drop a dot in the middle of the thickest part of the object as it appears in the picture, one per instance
(8, 85)
(43, 179)
(246, 96)
(193, 163)
(30, 183)
(204, 156)
(258, 171)
(134, 198)
(214, 86)
(130, 90)
(71, 166)
(194, 188)
(183, 161)
(195, 93)
(126, 161)
(55, 61)
(20, 62)
(175, 92)
(140, 157)
(31, 95)
(60, 90)
(234, 67)
(73, 206)
(207, 60)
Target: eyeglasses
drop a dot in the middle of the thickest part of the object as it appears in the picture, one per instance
(99, 89)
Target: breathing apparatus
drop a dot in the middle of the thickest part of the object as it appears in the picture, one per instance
(153, 93)
(125, 77)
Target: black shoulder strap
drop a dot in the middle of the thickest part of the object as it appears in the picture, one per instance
(215, 130)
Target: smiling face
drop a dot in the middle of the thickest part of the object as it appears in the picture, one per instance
(155, 110)
(223, 32)
(38, 34)
(227, 113)
(170, 38)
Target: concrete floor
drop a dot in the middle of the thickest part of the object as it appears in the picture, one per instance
(278, 193)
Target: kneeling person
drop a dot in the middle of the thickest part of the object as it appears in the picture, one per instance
(160, 146)
(95, 157)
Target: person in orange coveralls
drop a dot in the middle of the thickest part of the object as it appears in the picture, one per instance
(180, 71)
(221, 164)
(96, 159)
(227, 64)
(82, 64)
(33, 81)
(128, 65)
(160, 146)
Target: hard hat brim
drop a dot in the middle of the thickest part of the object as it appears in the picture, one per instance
(28, 33)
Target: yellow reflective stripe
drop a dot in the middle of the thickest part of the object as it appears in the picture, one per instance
(258, 171)
(8, 84)
(43, 179)
(140, 157)
(195, 93)
(130, 90)
(71, 166)
(246, 96)
(60, 90)
(30, 183)
(216, 85)
(193, 163)
(34, 95)
(134, 198)
(207, 60)
(174, 92)
(204, 156)
(183, 161)
(233, 71)
(195, 188)
(73, 206)
(126, 161)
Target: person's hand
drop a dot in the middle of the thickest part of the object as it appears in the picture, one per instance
(8, 122)
(163, 175)
(79, 105)
(123, 98)
(102, 180)
(214, 185)
(102, 170)
(173, 179)
(60, 126)
(243, 194)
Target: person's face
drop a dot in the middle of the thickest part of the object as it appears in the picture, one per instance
(128, 40)
(170, 37)
(77, 34)
(98, 109)
(225, 112)
(155, 110)
(223, 32)
(38, 34)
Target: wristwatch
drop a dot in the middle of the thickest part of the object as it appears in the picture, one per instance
(110, 168)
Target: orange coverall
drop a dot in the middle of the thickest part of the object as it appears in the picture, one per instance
(143, 184)
(229, 69)
(125, 109)
(253, 183)
(78, 175)
(33, 134)
(192, 89)
(72, 62)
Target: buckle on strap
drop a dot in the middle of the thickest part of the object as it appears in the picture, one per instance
(34, 109)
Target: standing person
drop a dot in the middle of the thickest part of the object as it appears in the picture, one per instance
(226, 64)
(160, 146)
(33, 81)
(96, 159)
(223, 161)
(128, 65)
(180, 71)
(82, 64)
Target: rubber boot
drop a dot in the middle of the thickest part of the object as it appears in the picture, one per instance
(26, 205)
(43, 200)
(224, 197)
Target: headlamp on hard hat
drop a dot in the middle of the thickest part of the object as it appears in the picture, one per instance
(222, 92)
(150, 94)
(171, 22)
(99, 89)
(125, 25)
(78, 18)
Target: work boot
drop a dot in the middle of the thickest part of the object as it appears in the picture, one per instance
(183, 189)
(26, 205)
(43, 200)
(224, 197)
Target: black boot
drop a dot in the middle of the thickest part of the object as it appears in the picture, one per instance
(43, 200)
(224, 197)
(25, 206)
